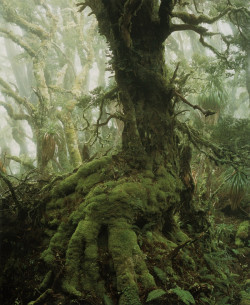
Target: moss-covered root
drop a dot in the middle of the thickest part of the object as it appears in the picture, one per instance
(82, 272)
(129, 263)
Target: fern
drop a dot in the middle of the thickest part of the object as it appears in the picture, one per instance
(184, 295)
(155, 294)
(161, 274)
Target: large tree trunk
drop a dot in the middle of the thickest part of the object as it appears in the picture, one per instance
(120, 221)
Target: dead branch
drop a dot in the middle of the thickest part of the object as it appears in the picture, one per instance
(11, 188)
(205, 112)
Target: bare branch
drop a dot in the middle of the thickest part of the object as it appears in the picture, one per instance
(10, 186)
(191, 19)
(112, 116)
(175, 72)
(205, 112)
(190, 27)
(207, 45)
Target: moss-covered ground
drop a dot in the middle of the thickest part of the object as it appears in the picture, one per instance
(108, 234)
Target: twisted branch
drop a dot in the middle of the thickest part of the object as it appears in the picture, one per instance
(205, 112)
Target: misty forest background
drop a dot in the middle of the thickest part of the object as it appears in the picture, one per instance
(60, 110)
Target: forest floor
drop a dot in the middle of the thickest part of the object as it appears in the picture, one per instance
(226, 283)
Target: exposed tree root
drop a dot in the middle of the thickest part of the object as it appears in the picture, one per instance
(96, 212)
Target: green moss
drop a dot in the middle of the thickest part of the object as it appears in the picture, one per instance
(161, 171)
(130, 296)
(82, 271)
(65, 187)
(68, 185)
(93, 166)
(129, 192)
(72, 266)
(129, 261)
(55, 204)
(58, 243)
(54, 223)
(242, 233)
(159, 238)
(85, 185)
(245, 298)
(48, 257)
(148, 174)
(116, 205)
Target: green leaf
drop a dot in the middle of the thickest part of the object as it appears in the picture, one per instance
(184, 295)
(155, 294)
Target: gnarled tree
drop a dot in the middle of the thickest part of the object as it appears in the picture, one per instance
(113, 221)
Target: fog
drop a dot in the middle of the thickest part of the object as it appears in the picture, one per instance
(76, 60)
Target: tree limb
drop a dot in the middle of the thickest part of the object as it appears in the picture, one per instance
(205, 112)
(20, 100)
(190, 27)
(191, 19)
(15, 116)
(18, 40)
(11, 15)
(130, 9)
(23, 162)
(112, 116)
(207, 45)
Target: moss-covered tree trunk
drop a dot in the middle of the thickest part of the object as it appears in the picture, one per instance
(113, 220)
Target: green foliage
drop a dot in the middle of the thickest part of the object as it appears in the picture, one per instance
(215, 96)
(237, 183)
(155, 294)
(161, 274)
(107, 300)
(232, 133)
(223, 233)
(184, 295)
(242, 233)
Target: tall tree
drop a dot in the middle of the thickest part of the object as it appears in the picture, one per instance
(114, 224)
(130, 199)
